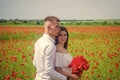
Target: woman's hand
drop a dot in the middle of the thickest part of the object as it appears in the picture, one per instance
(75, 77)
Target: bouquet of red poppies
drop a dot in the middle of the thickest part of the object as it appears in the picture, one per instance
(78, 64)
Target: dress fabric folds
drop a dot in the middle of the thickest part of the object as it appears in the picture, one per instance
(63, 60)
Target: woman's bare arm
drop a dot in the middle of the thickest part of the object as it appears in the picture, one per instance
(73, 76)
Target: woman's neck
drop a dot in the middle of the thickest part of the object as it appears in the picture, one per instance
(61, 45)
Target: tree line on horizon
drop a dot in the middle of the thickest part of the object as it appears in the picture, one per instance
(63, 22)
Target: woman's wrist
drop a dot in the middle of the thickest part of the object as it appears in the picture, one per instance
(70, 75)
(73, 75)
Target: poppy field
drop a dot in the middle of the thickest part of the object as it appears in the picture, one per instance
(100, 45)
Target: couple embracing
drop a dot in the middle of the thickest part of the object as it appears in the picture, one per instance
(51, 57)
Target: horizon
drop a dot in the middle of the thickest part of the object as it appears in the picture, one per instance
(62, 19)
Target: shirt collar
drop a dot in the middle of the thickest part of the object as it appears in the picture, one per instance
(50, 38)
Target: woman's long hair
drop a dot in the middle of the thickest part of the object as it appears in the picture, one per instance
(62, 28)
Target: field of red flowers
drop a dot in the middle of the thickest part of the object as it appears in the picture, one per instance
(100, 45)
(71, 29)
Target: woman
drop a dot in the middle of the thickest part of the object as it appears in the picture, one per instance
(63, 58)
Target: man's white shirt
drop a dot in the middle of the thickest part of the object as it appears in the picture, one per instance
(44, 58)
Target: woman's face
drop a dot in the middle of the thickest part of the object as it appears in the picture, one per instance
(62, 37)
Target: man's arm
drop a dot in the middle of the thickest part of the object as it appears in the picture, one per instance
(49, 63)
(35, 55)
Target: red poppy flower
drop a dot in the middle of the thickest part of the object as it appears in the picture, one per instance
(14, 74)
(7, 78)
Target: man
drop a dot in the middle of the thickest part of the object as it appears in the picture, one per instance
(45, 51)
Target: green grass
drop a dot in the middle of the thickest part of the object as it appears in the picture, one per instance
(102, 50)
(96, 48)
(19, 36)
(17, 56)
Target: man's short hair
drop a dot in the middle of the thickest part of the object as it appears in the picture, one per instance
(51, 18)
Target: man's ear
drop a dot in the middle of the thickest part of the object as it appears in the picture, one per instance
(49, 27)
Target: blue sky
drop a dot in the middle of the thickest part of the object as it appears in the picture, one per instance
(63, 9)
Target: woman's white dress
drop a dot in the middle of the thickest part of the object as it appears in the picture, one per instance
(63, 60)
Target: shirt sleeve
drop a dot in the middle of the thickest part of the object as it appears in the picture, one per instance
(49, 63)
(35, 55)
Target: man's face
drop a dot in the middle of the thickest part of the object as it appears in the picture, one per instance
(54, 28)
